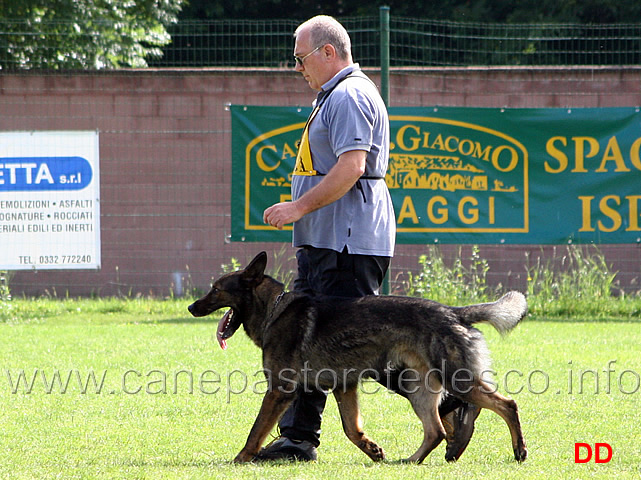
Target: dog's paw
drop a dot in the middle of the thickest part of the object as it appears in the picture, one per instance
(520, 455)
(243, 457)
(408, 461)
(372, 450)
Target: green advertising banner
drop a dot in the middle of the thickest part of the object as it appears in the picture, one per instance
(468, 175)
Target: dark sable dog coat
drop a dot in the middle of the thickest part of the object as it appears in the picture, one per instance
(332, 343)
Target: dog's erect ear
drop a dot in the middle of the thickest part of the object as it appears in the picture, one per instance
(255, 271)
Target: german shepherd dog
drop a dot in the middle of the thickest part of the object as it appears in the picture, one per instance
(332, 343)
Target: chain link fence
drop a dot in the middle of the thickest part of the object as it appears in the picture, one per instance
(413, 42)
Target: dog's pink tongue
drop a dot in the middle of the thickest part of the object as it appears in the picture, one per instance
(221, 327)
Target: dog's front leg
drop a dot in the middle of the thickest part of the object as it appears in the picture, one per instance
(347, 401)
(274, 405)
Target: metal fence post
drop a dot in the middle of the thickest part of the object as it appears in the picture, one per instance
(384, 28)
(384, 32)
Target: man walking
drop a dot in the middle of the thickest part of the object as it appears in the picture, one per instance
(341, 210)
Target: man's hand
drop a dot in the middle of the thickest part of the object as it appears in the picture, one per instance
(337, 182)
(281, 214)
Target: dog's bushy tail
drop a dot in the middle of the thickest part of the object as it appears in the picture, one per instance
(504, 314)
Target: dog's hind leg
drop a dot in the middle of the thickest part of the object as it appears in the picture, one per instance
(425, 400)
(347, 401)
(274, 405)
(485, 396)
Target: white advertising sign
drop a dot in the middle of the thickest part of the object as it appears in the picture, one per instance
(49, 200)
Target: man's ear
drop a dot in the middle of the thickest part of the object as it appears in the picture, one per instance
(328, 51)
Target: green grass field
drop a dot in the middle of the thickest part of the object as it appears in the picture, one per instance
(165, 402)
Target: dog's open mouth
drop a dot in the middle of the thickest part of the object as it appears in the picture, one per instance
(226, 328)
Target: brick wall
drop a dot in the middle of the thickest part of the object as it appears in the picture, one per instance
(165, 160)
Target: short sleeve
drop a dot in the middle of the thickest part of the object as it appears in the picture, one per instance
(350, 118)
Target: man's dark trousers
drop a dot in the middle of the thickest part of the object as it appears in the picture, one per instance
(323, 271)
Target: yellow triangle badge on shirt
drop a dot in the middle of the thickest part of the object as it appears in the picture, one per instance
(304, 164)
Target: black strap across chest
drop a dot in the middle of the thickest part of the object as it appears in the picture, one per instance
(320, 101)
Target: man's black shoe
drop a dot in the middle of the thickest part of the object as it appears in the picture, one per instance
(284, 448)
(459, 426)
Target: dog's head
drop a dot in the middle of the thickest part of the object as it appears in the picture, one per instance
(234, 290)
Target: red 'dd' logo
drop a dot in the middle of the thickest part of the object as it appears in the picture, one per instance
(583, 452)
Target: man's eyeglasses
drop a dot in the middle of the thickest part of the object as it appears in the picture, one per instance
(299, 60)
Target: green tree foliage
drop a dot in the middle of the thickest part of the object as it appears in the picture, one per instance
(83, 34)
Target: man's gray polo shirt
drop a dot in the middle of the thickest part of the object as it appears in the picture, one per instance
(352, 117)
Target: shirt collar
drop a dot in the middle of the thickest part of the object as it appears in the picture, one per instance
(339, 76)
